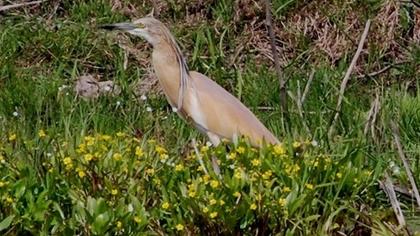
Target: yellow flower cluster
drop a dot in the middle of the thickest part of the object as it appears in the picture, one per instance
(12, 137)
(279, 150)
(292, 170)
(68, 163)
(165, 205)
(41, 133)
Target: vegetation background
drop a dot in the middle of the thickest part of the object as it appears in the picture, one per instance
(125, 164)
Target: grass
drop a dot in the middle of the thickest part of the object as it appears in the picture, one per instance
(112, 167)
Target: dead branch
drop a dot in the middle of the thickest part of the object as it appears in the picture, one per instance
(282, 82)
(386, 68)
(388, 188)
(347, 77)
(8, 7)
(397, 140)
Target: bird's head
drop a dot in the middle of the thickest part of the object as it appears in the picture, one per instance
(149, 28)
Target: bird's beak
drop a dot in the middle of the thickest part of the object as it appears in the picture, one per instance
(119, 26)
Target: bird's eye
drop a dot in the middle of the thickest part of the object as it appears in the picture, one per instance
(141, 25)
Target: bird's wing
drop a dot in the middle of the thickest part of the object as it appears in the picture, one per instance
(222, 113)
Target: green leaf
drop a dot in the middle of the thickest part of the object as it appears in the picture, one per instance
(6, 222)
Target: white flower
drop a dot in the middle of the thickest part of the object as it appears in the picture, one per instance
(314, 143)
(174, 109)
(61, 88)
(149, 109)
(15, 114)
(130, 207)
(118, 103)
(143, 97)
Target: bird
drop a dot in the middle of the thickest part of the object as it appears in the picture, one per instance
(195, 97)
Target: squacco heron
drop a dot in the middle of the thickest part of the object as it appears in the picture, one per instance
(196, 98)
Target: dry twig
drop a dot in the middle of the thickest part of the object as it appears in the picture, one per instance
(282, 82)
(347, 77)
(395, 133)
(8, 7)
(388, 187)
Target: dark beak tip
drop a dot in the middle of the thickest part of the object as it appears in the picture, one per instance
(107, 27)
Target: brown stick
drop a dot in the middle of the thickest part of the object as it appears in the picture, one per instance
(395, 133)
(282, 82)
(388, 187)
(347, 77)
(8, 7)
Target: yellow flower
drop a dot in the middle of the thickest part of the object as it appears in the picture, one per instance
(231, 156)
(296, 144)
(89, 140)
(9, 200)
(205, 210)
(253, 206)
(267, 174)
(139, 151)
(114, 191)
(206, 178)
(117, 156)
(339, 175)
(212, 201)
(156, 181)
(240, 150)
(237, 174)
(179, 227)
(81, 149)
(120, 134)
(309, 186)
(236, 194)
(163, 156)
(214, 183)
(165, 205)
(2, 184)
(160, 150)
(119, 224)
(67, 161)
(12, 137)
(41, 133)
(88, 157)
(213, 215)
(278, 149)
(150, 171)
(137, 219)
(221, 202)
(81, 173)
(256, 162)
(282, 202)
(2, 161)
(286, 189)
(105, 137)
(191, 193)
(204, 149)
(179, 167)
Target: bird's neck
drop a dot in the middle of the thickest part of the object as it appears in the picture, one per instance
(167, 70)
